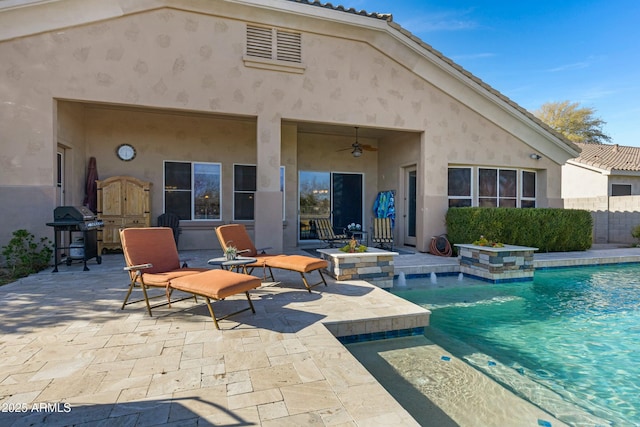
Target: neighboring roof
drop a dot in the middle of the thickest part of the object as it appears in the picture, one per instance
(389, 18)
(609, 157)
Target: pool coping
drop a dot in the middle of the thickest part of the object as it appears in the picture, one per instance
(417, 266)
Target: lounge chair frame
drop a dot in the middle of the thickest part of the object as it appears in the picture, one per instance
(167, 273)
(327, 233)
(382, 235)
(236, 235)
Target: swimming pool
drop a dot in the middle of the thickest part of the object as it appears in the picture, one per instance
(572, 333)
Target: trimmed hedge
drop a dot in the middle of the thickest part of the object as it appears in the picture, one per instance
(549, 230)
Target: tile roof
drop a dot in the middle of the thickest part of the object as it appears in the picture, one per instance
(389, 18)
(383, 16)
(609, 157)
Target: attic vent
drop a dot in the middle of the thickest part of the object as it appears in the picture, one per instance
(271, 43)
(289, 46)
(259, 42)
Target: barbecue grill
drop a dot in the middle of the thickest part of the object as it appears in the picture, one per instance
(74, 220)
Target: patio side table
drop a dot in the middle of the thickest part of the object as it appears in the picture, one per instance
(236, 264)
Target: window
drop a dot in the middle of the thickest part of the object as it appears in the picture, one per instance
(60, 176)
(244, 189)
(495, 188)
(273, 43)
(192, 190)
(459, 187)
(528, 198)
(620, 189)
(59, 169)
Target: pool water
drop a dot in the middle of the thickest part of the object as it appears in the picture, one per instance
(573, 333)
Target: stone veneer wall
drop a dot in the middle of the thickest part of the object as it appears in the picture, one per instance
(497, 264)
(376, 268)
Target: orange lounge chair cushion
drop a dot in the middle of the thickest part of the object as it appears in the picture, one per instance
(163, 279)
(153, 245)
(299, 263)
(263, 260)
(236, 235)
(216, 284)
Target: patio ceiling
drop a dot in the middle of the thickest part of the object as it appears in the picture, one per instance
(344, 130)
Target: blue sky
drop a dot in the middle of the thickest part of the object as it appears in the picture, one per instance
(585, 51)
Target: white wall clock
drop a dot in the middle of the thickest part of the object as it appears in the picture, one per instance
(126, 152)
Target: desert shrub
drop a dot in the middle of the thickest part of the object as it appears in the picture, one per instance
(25, 256)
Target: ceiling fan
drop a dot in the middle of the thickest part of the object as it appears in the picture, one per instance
(357, 148)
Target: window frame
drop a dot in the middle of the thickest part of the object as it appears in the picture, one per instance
(524, 198)
(471, 195)
(500, 198)
(235, 191)
(618, 185)
(193, 190)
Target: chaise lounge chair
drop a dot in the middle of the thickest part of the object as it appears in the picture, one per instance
(153, 262)
(327, 234)
(236, 235)
(382, 233)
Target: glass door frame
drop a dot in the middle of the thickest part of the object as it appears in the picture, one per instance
(303, 227)
(410, 205)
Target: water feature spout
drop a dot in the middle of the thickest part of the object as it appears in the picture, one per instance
(460, 277)
(402, 280)
(434, 278)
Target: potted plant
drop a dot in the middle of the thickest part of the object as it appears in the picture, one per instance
(483, 241)
(230, 252)
(353, 247)
(353, 227)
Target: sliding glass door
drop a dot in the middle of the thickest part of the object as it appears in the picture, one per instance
(334, 195)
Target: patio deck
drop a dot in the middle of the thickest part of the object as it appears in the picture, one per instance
(70, 356)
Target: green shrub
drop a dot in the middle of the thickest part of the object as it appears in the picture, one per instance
(25, 256)
(549, 230)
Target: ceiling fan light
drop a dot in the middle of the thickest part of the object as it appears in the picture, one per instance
(357, 152)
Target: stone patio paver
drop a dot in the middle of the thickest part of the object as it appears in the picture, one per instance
(65, 341)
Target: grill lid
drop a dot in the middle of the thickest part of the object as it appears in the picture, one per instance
(72, 214)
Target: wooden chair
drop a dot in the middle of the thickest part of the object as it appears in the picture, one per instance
(173, 222)
(327, 234)
(382, 234)
(153, 262)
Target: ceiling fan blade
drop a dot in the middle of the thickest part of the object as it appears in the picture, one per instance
(345, 149)
(368, 147)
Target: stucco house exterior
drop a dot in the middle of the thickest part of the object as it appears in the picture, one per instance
(605, 180)
(246, 111)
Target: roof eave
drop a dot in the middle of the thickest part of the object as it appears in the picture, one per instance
(592, 167)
